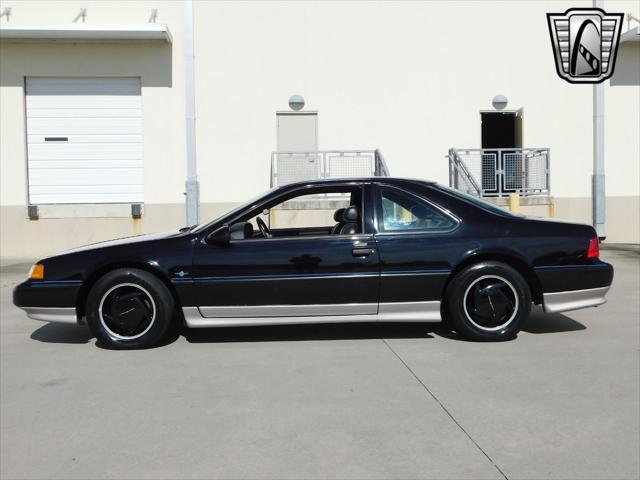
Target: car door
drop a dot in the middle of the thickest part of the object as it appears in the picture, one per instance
(297, 276)
(411, 237)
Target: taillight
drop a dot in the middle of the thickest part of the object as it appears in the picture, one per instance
(594, 248)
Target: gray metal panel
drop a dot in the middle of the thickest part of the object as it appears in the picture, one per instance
(574, 299)
(194, 322)
(297, 132)
(290, 310)
(409, 312)
(47, 314)
(299, 314)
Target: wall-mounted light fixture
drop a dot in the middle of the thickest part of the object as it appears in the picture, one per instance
(499, 102)
(296, 102)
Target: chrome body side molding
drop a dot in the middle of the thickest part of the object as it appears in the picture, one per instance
(574, 299)
(306, 314)
(204, 322)
(191, 314)
(290, 310)
(409, 312)
(49, 314)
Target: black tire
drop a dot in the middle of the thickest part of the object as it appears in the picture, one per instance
(129, 308)
(488, 301)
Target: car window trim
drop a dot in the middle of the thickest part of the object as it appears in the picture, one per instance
(257, 206)
(354, 237)
(378, 213)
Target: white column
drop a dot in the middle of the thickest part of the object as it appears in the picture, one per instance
(192, 185)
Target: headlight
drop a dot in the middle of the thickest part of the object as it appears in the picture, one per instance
(37, 272)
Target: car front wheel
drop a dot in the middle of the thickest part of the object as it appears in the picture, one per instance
(129, 308)
(488, 301)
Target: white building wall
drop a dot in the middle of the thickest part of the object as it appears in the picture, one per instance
(161, 72)
(157, 64)
(622, 137)
(407, 77)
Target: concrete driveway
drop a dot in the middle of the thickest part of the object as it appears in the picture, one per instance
(354, 401)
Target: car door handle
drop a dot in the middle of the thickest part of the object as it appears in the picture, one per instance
(362, 252)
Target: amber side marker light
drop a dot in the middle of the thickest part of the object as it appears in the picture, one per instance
(37, 272)
(594, 248)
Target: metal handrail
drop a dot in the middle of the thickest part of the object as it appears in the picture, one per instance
(459, 166)
(318, 164)
(498, 172)
(382, 170)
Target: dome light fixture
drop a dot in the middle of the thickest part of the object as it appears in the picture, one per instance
(499, 102)
(296, 102)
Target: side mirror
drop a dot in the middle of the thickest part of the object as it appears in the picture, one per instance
(220, 236)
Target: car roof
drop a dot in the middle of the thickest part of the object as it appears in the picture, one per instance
(331, 181)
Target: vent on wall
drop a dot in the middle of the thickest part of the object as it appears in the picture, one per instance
(32, 211)
(136, 210)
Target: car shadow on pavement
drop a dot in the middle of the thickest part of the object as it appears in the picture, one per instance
(537, 323)
(61, 333)
(293, 333)
(540, 322)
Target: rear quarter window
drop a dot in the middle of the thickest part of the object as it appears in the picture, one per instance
(475, 201)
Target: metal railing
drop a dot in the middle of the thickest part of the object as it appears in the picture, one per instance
(290, 167)
(495, 172)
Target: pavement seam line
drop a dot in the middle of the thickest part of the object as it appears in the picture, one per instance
(444, 408)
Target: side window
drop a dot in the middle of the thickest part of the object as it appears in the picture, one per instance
(404, 212)
(308, 211)
(312, 212)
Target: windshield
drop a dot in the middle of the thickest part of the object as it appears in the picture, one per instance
(479, 202)
(246, 204)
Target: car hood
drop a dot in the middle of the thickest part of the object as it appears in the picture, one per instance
(123, 241)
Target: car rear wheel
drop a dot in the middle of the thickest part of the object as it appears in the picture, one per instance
(129, 308)
(488, 301)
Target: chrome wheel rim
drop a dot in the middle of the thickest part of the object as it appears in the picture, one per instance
(491, 303)
(127, 311)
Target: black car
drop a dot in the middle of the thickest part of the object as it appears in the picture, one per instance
(398, 251)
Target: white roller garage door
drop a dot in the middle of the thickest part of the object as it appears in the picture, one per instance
(84, 139)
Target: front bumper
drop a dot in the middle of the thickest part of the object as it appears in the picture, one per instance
(59, 315)
(49, 301)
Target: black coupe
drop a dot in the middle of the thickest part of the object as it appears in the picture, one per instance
(397, 251)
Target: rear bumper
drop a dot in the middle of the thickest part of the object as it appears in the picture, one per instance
(571, 287)
(574, 299)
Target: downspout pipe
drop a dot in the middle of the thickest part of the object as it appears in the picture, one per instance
(598, 179)
(192, 185)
